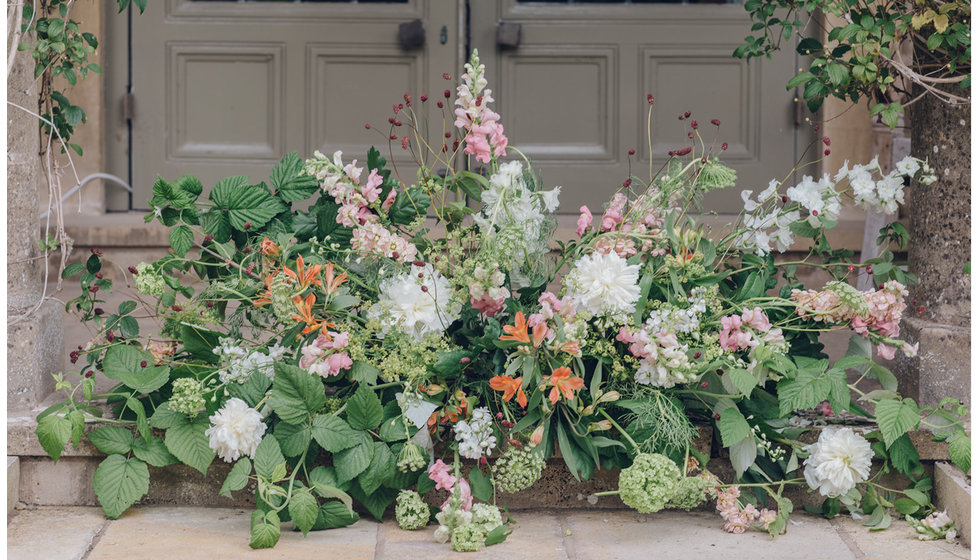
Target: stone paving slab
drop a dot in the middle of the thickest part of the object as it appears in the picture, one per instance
(191, 533)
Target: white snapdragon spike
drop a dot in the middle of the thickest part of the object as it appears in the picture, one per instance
(838, 461)
(604, 284)
(235, 431)
(416, 306)
(475, 436)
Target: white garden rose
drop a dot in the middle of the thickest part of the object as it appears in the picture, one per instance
(604, 284)
(838, 461)
(236, 430)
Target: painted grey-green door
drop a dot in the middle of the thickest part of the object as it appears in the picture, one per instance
(573, 92)
(227, 88)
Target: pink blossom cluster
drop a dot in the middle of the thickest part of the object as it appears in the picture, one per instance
(552, 311)
(487, 291)
(484, 135)
(324, 357)
(373, 238)
(646, 346)
(884, 312)
(742, 332)
(625, 224)
(738, 520)
(439, 473)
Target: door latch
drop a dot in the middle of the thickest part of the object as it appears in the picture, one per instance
(411, 34)
(508, 35)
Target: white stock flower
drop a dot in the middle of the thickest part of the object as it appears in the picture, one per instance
(235, 431)
(475, 436)
(604, 284)
(838, 461)
(417, 306)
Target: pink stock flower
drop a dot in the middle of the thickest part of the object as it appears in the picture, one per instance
(584, 220)
(886, 351)
(767, 517)
(389, 200)
(756, 319)
(439, 473)
(371, 190)
(487, 305)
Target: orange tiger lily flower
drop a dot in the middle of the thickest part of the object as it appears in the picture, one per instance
(564, 384)
(333, 283)
(510, 386)
(305, 308)
(518, 332)
(304, 277)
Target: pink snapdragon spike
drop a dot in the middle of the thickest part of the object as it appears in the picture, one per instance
(465, 494)
(584, 221)
(484, 135)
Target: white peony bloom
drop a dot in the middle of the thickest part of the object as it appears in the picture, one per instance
(236, 430)
(838, 461)
(604, 285)
(417, 306)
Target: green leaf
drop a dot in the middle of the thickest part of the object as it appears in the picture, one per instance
(268, 457)
(742, 380)
(119, 482)
(472, 184)
(77, 419)
(265, 529)
(72, 269)
(480, 485)
(303, 509)
(743, 454)
(409, 204)
(837, 73)
(364, 373)
(55, 27)
(799, 79)
(293, 439)
(324, 481)
(906, 506)
(376, 502)
(895, 418)
(352, 462)
(381, 467)
(74, 115)
(181, 239)
(959, 452)
(887, 379)
(296, 394)
(188, 443)
(840, 393)
(112, 440)
(253, 390)
(245, 203)
(289, 182)
(903, 455)
(53, 432)
(237, 478)
(146, 380)
(153, 451)
(216, 223)
(124, 359)
(733, 426)
(364, 410)
(393, 429)
(333, 515)
(807, 390)
(578, 463)
(333, 434)
(200, 343)
(879, 520)
(497, 535)
(933, 42)
(164, 418)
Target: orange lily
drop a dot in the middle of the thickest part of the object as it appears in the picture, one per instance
(304, 277)
(518, 332)
(510, 386)
(564, 384)
(305, 308)
(333, 283)
(266, 298)
(538, 333)
(571, 347)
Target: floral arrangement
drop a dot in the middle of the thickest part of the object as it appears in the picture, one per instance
(352, 333)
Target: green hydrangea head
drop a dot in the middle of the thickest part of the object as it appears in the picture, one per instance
(689, 493)
(487, 516)
(187, 396)
(149, 281)
(468, 537)
(411, 511)
(518, 468)
(648, 484)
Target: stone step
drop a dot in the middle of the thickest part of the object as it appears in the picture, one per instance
(13, 483)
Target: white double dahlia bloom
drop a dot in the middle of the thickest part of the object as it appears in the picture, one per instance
(838, 461)
(236, 430)
(604, 284)
(418, 303)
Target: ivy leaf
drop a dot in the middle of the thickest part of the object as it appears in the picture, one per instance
(303, 509)
(187, 442)
(237, 478)
(265, 529)
(181, 239)
(153, 451)
(112, 440)
(268, 457)
(296, 394)
(895, 418)
(119, 482)
(733, 426)
(289, 182)
(333, 434)
(53, 432)
(364, 410)
(244, 203)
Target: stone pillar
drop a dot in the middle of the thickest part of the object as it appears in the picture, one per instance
(939, 249)
(34, 328)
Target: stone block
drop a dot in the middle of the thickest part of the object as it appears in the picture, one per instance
(33, 354)
(953, 495)
(941, 368)
(13, 483)
(53, 533)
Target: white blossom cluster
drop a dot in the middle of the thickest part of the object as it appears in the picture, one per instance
(674, 319)
(757, 235)
(237, 363)
(888, 191)
(819, 199)
(475, 436)
(417, 303)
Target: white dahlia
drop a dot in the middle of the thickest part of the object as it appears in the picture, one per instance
(235, 430)
(417, 303)
(838, 461)
(603, 284)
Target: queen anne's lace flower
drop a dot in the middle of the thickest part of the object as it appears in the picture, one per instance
(517, 468)
(838, 461)
(648, 484)
(411, 511)
(235, 431)
(475, 436)
(604, 284)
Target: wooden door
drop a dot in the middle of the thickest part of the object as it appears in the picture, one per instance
(573, 93)
(225, 88)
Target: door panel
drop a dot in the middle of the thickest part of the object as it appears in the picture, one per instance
(228, 88)
(572, 95)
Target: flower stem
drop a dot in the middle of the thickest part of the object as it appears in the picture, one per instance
(621, 430)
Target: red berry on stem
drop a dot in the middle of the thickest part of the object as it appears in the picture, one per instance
(632, 152)
(724, 145)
